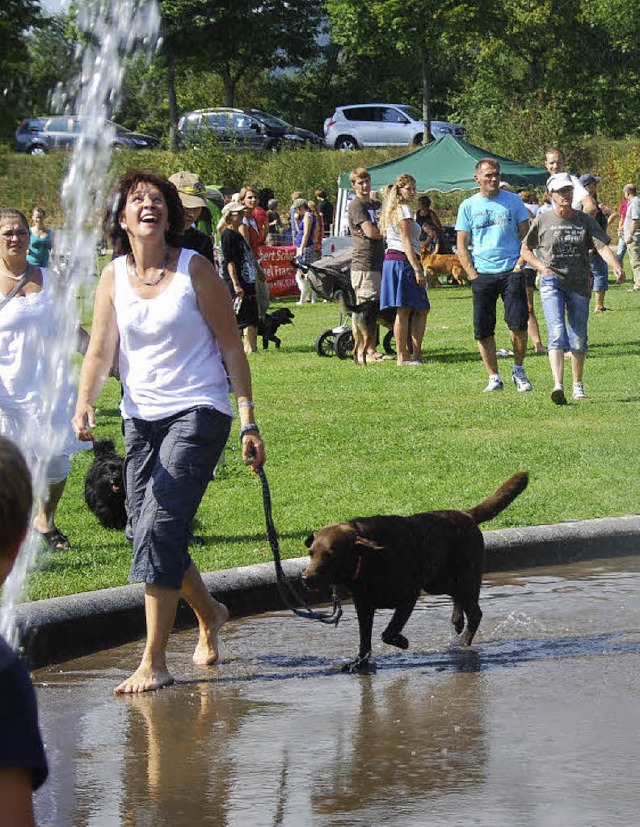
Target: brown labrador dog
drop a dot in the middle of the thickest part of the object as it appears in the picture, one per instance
(386, 561)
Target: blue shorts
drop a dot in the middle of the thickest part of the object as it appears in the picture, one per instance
(557, 300)
(168, 465)
(399, 287)
(486, 290)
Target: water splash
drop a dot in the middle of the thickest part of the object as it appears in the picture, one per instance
(112, 30)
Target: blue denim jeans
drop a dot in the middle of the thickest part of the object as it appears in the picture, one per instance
(600, 272)
(566, 314)
(167, 467)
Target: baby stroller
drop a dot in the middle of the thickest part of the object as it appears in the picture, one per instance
(330, 279)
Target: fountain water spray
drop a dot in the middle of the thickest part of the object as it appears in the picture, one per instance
(112, 30)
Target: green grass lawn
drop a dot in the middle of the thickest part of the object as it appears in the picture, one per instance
(344, 441)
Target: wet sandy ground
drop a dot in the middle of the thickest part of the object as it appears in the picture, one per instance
(537, 724)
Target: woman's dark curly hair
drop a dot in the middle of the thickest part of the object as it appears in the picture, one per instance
(113, 213)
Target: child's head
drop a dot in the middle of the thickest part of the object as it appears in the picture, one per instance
(16, 499)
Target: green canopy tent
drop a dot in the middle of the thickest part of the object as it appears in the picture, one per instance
(445, 165)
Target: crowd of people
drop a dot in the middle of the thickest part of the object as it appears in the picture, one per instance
(507, 244)
(495, 229)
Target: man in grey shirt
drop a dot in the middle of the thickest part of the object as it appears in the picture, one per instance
(563, 237)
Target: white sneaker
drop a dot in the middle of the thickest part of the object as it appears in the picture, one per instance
(495, 384)
(520, 381)
(578, 391)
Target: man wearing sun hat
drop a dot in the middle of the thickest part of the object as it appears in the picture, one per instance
(192, 194)
(562, 238)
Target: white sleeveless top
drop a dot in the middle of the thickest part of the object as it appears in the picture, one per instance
(27, 406)
(169, 359)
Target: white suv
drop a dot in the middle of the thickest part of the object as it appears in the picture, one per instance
(381, 124)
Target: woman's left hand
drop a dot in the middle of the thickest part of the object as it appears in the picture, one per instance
(421, 278)
(83, 422)
(253, 450)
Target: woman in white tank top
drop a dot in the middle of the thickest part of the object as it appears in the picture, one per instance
(27, 329)
(170, 316)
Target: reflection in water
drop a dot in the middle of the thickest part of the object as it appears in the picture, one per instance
(180, 763)
(410, 738)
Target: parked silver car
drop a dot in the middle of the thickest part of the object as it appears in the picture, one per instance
(381, 124)
(37, 136)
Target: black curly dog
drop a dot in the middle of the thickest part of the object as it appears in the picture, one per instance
(268, 327)
(104, 486)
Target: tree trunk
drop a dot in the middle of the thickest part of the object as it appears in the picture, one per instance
(173, 103)
(229, 86)
(426, 96)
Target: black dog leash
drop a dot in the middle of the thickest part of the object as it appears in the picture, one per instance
(285, 587)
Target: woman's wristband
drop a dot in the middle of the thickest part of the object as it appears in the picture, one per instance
(248, 404)
(248, 429)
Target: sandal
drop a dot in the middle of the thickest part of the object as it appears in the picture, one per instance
(55, 539)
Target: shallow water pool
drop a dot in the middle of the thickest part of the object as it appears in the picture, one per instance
(537, 724)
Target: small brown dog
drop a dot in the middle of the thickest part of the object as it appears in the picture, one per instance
(385, 562)
(436, 265)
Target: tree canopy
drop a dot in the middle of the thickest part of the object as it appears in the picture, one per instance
(17, 17)
(515, 72)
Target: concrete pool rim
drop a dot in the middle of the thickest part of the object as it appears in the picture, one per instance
(62, 628)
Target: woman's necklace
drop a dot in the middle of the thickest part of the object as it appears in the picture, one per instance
(15, 278)
(157, 279)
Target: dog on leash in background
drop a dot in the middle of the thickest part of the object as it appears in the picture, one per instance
(442, 265)
(104, 486)
(386, 561)
(268, 326)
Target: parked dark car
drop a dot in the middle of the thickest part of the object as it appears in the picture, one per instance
(243, 128)
(292, 133)
(37, 136)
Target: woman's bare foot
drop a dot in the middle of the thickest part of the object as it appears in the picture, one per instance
(208, 649)
(144, 679)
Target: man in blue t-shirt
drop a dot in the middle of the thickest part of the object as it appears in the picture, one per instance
(490, 227)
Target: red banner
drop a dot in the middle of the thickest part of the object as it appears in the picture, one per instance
(280, 272)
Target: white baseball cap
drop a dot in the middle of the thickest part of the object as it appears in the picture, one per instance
(559, 181)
